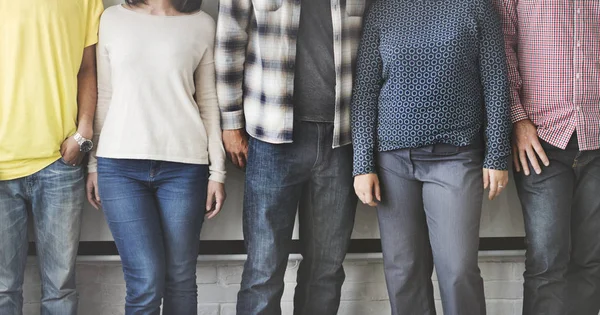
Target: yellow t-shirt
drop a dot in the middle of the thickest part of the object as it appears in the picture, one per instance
(41, 49)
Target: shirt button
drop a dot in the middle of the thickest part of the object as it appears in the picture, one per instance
(578, 11)
(578, 108)
(578, 76)
(578, 43)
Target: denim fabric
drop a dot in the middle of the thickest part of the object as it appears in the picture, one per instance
(311, 178)
(155, 211)
(429, 215)
(561, 209)
(55, 197)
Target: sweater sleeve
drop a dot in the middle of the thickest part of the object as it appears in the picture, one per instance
(494, 79)
(206, 98)
(104, 92)
(365, 97)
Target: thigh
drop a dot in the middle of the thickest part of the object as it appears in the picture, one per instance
(181, 197)
(328, 205)
(132, 215)
(57, 206)
(546, 201)
(13, 234)
(453, 197)
(275, 175)
(586, 212)
(401, 217)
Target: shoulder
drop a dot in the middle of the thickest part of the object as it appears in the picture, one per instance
(110, 12)
(204, 23)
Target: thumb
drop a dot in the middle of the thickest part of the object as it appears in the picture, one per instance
(377, 190)
(210, 200)
(486, 178)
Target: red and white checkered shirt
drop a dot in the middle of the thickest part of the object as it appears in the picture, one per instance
(553, 50)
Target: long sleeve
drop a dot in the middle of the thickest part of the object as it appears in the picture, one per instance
(206, 97)
(493, 68)
(365, 97)
(104, 94)
(509, 18)
(230, 57)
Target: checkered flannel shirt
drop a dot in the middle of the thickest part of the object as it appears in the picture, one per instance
(255, 58)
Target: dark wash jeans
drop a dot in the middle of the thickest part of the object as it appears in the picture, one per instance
(561, 208)
(55, 196)
(311, 178)
(155, 211)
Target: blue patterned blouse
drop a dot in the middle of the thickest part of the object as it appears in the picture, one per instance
(430, 71)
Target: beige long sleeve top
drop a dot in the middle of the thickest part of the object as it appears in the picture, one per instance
(156, 90)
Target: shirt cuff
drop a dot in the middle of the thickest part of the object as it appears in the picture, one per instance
(496, 163)
(232, 120)
(517, 113)
(217, 177)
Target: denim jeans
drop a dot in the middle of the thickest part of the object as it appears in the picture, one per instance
(311, 178)
(430, 215)
(54, 196)
(561, 208)
(155, 211)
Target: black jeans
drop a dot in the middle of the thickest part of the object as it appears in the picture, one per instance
(315, 180)
(561, 208)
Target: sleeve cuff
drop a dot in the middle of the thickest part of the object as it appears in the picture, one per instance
(517, 113)
(217, 177)
(232, 120)
(496, 163)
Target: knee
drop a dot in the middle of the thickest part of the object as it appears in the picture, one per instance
(145, 287)
(544, 256)
(181, 278)
(458, 270)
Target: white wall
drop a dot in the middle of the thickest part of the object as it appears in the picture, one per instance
(500, 218)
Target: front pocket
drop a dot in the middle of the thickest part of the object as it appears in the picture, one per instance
(267, 5)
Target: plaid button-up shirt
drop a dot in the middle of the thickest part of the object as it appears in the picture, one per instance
(553, 50)
(255, 59)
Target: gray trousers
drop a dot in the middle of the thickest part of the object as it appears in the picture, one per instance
(429, 215)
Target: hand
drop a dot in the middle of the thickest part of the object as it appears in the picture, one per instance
(214, 199)
(69, 150)
(526, 145)
(367, 189)
(495, 180)
(92, 190)
(236, 146)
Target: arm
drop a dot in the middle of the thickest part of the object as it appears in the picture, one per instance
(493, 69)
(365, 98)
(206, 98)
(509, 20)
(87, 92)
(230, 57)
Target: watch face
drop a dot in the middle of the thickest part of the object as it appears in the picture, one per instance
(86, 146)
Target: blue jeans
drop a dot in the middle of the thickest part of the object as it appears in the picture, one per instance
(561, 209)
(55, 197)
(155, 212)
(280, 179)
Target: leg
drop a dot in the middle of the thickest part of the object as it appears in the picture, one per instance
(57, 204)
(407, 259)
(452, 196)
(131, 211)
(275, 175)
(13, 245)
(327, 212)
(546, 201)
(181, 197)
(584, 273)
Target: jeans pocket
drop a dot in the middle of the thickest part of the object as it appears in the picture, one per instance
(65, 163)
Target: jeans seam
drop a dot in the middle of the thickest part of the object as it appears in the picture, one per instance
(318, 155)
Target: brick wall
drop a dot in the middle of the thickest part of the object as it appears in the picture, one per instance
(102, 289)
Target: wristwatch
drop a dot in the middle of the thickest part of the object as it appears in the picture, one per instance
(85, 145)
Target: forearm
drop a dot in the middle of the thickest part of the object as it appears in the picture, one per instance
(87, 94)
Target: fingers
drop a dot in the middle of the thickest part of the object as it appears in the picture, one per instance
(217, 206)
(92, 193)
(524, 163)
(493, 188)
(515, 157)
(533, 160)
(210, 200)
(377, 191)
(486, 178)
(541, 153)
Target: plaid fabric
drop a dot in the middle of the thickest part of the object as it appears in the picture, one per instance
(553, 50)
(255, 58)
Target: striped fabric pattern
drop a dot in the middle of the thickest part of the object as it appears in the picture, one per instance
(255, 59)
(553, 50)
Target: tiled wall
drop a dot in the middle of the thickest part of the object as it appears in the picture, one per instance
(102, 289)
